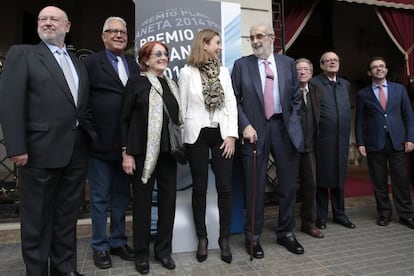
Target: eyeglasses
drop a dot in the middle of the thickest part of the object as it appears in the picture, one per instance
(53, 19)
(375, 67)
(258, 37)
(115, 32)
(159, 54)
(299, 69)
(331, 60)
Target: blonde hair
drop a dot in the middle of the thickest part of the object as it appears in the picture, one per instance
(198, 56)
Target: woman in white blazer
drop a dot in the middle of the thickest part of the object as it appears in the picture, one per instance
(210, 124)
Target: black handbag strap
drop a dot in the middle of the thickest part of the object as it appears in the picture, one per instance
(164, 106)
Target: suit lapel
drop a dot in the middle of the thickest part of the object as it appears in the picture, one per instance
(47, 58)
(371, 95)
(107, 67)
(254, 74)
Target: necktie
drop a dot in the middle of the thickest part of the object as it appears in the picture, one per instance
(123, 76)
(64, 64)
(305, 95)
(268, 91)
(382, 98)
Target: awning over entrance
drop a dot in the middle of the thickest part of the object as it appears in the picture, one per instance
(398, 4)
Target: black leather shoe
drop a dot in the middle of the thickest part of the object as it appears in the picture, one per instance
(383, 221)
(321, 224)
(142, 267)
(257, 249)
(408, 222)
(55, 272)
(102, 259)
(73, 273)
(289, 241)
(225, 252)
(124, 252)
(345, 223)
(202, 248)
(167, 262)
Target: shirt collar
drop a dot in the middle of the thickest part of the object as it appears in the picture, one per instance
(375, 85)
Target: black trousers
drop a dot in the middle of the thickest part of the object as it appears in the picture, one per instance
(401, 189)
(198, 157)
(49, 209)
(307, 174)
(165, 175)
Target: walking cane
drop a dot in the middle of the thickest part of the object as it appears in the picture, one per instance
(253, 200)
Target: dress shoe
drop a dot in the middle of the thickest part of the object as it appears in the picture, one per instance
(202, 250)
(124, 252)
(408, 222)
(225, 250)
(289, 241)
(345, 223)
(167, 262)
(383, 221)
(257, 249)
(321, 224)
(142, 267)
(102, 259)
(55, 272)
(313, 231)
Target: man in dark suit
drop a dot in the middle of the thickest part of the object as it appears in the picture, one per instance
(274, 126)
(384, 130)
(43, 111)
(310, 124)
(334, 131)
(109, 184)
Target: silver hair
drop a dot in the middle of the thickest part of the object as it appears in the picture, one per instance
(109, 19)
(269, 27)
(299, 60)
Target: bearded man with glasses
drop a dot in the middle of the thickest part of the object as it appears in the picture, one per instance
(269, 103)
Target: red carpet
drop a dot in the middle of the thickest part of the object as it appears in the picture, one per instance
(355, 186)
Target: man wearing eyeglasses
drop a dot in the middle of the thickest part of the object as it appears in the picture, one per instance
(384, 130)
(333, 148)
(109, 185)
(269, 104)
(46, 125)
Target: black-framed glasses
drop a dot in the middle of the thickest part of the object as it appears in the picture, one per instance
(258, 36)
(115, 32)
(375, 67)
(331, 60)
(159, 54)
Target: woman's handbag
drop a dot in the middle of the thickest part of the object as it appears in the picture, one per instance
(176, 139)
(176, 142)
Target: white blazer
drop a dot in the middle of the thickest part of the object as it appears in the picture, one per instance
(196, 115)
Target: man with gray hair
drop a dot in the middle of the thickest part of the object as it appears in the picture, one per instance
(109, 185)
(310, 125)
(46, 125)
(334, 131)
(269, 102)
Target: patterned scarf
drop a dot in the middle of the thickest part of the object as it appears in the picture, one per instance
(212, 90)
(155, 117)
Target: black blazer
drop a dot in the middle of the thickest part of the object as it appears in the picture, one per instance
(37, 111)
(106, 91)
(134, 116)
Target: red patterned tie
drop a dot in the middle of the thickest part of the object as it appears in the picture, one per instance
(382, 98)
(268, 91)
